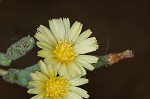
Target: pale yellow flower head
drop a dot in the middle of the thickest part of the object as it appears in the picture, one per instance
(65, 46)
(47, 84)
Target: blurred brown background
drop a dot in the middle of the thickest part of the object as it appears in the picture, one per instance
(127, 23)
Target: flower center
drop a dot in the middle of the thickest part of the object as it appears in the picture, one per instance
(64, 52)
(56, 87)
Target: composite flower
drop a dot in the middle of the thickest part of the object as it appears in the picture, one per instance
(66, 47)
(47, 84)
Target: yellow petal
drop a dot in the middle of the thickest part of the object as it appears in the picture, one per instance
(88, 58)
(79, 91)
(78, 81)
(44, 46)
(74, 30)
(83, 36)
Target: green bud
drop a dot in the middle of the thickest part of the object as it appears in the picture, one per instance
(20, 48)
(4, 61)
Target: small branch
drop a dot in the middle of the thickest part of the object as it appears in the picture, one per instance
(116, 57)
(110, 59)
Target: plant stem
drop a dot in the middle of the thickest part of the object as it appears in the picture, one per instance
(3, 72)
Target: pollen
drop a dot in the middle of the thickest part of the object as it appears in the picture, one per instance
(56, 87)
(64, 52)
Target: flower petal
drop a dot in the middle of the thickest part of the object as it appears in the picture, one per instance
(39, 96)
(74, 67)
(86, 46)
(87, 49)
(43, 38)
(56, 66)
(77, 34)
(78, 81)
(81, 68)
(44, 46)
(34, 76)
(74, 31)
(85, 64)
(62, 70)
(35, 91)
(71, 72)
(58, 28)
(87, 42)
(46, 31)
(79, 91)
(83, 36)
(37, 84)
(72, 95)
(45, 53)
(44, 68)
(67, 25)
(41, 76)
(88, 58)
(51, 60)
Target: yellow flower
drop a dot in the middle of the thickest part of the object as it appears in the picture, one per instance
(64, 47)
(48, 85)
